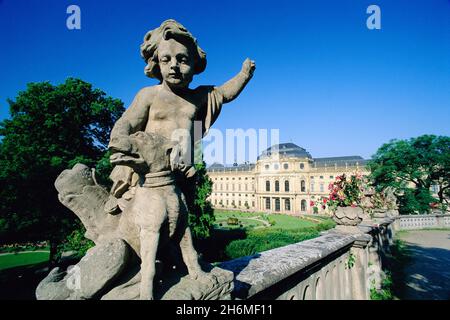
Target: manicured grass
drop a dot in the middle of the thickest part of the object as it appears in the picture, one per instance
(221, 214)
(246, 223)
(289, 223)
(229, 242)
(22, 259)
(281, 221)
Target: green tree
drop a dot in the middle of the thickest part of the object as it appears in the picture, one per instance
(412, 167)
(50, 129)
(201, 213)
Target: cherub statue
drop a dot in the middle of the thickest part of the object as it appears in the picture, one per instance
(168, 110)
(171, 107)
(146, 210)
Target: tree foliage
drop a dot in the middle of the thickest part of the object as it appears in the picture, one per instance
(201, 213)
(50, 129)
(412, 167)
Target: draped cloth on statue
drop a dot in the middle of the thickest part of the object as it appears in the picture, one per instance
(211, 110)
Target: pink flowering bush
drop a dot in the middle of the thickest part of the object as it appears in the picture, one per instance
(345, 191)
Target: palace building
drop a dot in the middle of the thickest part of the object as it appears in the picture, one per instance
(285, 179)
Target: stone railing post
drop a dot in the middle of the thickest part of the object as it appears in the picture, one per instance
(358, 272)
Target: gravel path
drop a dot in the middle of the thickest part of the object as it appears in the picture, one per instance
(428, 274)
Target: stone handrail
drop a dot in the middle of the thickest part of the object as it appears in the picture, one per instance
(336, 265)
(417, 222)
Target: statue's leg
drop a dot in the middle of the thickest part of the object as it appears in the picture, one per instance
(149, 246)
(150, 212)
(190, 256)
(177, 211)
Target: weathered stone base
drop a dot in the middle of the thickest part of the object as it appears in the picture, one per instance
(104, 274)
(96, 271)
(217, 285)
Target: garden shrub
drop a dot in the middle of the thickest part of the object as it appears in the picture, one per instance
(76, 242)
(262, 240)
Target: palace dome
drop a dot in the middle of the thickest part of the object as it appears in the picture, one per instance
(285, 150)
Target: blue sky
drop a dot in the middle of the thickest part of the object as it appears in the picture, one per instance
(323, 78)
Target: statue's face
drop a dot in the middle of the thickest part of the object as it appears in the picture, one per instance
(176, 63)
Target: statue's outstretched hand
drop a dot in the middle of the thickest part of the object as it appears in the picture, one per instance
(248, 67)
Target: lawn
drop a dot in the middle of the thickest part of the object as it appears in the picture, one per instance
(233, 241)
(243, 223)
(22, 259)
(281, 221)
(222, 214)
(289, 222)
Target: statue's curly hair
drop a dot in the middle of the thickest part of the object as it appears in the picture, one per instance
(169, 29)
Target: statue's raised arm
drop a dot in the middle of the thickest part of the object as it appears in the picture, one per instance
(233, 87)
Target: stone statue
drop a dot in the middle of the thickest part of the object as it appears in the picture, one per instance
(143, 219)
(380, 204)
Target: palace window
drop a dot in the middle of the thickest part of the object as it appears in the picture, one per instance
(302, 166)
(277, 204)
(287, 205)
(303, 205)
(285, 166)
(312, 186)
(267, 203)
(286, 185)
(321, 187)
(302, 186)
(277, 186)
(267, 167)
(267, 185)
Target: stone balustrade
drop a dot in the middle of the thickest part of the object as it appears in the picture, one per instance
(417, 222)
(334, 266)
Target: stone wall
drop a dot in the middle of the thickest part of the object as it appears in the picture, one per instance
(334, 266)
(417, 222)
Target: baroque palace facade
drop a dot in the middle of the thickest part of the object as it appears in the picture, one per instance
(285, 179)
